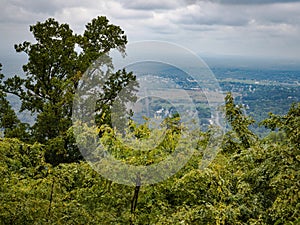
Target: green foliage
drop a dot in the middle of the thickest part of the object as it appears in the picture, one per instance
(250, 181)
(33, 192)
(9, 122)
(256, 185)
(53, 72)
(140, 146)
(288, 123)
(238, 122)
(118, 90)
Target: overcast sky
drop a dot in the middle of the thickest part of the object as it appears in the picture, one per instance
(263, 28)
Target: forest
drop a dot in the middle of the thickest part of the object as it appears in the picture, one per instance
(46, 179)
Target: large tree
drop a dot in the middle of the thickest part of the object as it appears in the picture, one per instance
(56, 62)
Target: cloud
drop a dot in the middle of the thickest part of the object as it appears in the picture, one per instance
(205, 14)
(255, 2)
(223, 25)
(278, 14)
(242, 2)
(41, 6)
(150, 5)
(209, 14)
(12, 12)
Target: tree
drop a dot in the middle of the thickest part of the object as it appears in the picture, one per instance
(259, 185)
(53, 71)
(238, 122)
(288, 123)
(9, 122)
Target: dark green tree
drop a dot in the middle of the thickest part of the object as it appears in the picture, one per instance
(53, 71)
(9, 123)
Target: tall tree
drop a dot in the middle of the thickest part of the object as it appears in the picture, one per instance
(53, 71)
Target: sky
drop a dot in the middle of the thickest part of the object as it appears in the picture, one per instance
(257, 28)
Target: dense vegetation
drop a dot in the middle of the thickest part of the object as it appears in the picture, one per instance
(45, 181)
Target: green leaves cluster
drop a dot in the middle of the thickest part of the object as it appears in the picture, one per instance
(289, 123)
(10, 125)
(57, 61)
(255, 185)
(238, 122)
(35, 192)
